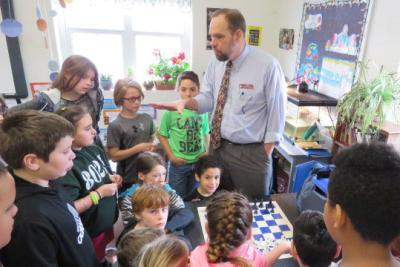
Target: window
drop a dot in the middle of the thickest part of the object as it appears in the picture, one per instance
(117, 37)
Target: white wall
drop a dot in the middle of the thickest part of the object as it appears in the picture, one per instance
(35, 56)
(382, 43)
(256, 12)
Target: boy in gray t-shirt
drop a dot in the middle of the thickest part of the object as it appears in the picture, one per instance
(131, 132)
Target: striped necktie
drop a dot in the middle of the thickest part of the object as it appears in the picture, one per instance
(219, 109)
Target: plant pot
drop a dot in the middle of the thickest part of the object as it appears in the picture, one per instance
(106, 84)
(164, 86)
(148, 85)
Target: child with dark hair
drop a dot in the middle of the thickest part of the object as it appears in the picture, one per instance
(229, 222)
(312, 245)
(184, 137)
(131, 133)
(133, 241)
(89, 184)
(151, 171)
(208, 173)
(362, 211)
(47, 230)
(7, 206)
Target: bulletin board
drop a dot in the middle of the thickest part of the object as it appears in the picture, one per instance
(332, 36)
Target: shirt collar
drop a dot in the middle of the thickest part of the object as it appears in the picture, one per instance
(239, 60)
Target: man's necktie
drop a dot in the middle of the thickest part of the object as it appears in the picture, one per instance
(219, 109)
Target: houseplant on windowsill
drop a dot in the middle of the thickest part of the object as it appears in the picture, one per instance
(365, 107)
(106, 81)
(167, 70)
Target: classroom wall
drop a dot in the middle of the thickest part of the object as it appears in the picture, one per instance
(381, 46)
(256, 12)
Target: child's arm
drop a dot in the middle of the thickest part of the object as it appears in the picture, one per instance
(164, 143)
(106, 190)
(272, 256)
(206, 143)
(126, 211)
(178, 216)
(178, 219)
(114, 136)
(117, 154)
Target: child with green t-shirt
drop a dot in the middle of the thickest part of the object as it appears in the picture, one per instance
(184, 137)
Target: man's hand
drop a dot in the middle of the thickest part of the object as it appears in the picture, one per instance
(269, 147)
(178, 105)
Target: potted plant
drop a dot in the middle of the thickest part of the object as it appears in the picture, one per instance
(106, 81)
(366, 105)
(148, 85)
(166, 70)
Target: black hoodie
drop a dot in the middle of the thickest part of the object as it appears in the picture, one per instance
(47, 230)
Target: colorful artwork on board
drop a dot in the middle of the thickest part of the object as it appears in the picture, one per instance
(343, 42)
(331, 36)
(313, 22)
(309, 70)
(336, 77)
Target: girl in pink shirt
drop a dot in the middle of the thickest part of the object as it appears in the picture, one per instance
(229, 219)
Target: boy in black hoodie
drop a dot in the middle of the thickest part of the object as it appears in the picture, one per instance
(47, 229)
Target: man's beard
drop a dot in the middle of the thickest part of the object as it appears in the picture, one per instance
(222, 57)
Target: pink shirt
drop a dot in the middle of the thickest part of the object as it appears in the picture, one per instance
(198, 256)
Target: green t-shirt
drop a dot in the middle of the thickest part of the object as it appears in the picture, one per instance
(185, 132)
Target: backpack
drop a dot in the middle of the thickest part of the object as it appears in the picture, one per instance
(311, 196)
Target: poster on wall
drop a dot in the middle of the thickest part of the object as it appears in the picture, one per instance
(38, 87)
(253, 35)
(209, 13)
(286, 39)
(332, 35)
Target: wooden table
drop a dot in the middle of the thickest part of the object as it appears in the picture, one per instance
(287, 202)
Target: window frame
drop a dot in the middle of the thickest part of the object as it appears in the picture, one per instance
(128, 36)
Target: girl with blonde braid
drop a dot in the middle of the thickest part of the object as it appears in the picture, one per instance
(229, 219)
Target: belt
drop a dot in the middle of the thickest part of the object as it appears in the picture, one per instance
(238, 144)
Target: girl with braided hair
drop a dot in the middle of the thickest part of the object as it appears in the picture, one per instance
(229, 220)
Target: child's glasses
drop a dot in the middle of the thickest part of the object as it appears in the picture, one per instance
(133, 99)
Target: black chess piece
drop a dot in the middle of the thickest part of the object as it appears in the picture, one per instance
(261, 204)
(254, 207)
(272, 206)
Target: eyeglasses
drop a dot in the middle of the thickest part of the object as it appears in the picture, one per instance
(133, 99)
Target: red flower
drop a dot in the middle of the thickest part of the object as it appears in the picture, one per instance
(167, 76)
(181, 56)
(174, 60)
(151, 71)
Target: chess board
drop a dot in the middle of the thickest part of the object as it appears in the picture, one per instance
(270, 226)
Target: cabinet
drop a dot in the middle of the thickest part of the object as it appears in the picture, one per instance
(303, 110)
